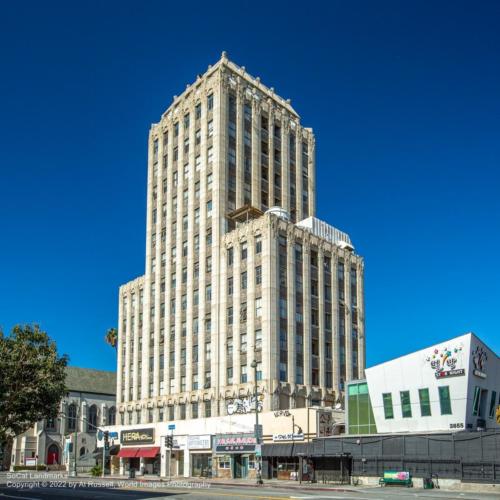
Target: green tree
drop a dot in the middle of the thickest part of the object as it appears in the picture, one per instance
(32, 380)
(111, 337)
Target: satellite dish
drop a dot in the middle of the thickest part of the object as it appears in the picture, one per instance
(338, 406)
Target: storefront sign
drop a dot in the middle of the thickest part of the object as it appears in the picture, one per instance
(479, 358)
(199, 442)
(450, 373)
(444, 362)
(288, 437)
(138, 436)
(234, 443)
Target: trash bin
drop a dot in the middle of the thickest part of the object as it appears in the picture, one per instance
(131, 473)
(428, 483)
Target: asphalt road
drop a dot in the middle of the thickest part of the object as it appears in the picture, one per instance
(113, 490)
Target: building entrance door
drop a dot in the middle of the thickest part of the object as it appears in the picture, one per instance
(53, 455)
(240, 470)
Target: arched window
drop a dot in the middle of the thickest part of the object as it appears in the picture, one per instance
(92, 420)
(72, 417)
(112, 416)
(82, 451)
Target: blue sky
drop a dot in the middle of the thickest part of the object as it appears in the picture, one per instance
(404, 101)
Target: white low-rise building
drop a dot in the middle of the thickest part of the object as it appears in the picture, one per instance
(451, 386)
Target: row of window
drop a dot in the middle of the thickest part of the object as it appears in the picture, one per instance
(167, 414)
(90, 421)
(424, 400)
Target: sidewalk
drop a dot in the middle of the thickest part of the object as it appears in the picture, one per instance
(250, 483)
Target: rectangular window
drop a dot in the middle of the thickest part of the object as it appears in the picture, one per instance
(259, 371)
(258, 307)
(210, 102)
(258, 244)
(425, 403)
(258, 340)
(244, 280)
(258, 275)
(476, 401)
(388, 409)
(492, 404)
(405, 404)
(444, 400)
(243, 376)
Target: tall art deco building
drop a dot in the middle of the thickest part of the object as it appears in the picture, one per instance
(237, 266)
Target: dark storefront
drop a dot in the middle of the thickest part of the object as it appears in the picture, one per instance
(294, 461)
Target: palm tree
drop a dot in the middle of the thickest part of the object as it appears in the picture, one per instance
(111, 337)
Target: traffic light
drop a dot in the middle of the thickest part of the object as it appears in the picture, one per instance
(169, 441)
(106, 440)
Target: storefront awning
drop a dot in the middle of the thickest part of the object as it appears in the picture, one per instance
(284, 449)
(149, 452)
(128, 452)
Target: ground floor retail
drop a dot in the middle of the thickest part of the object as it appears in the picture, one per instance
(139, 460)
(224, 446)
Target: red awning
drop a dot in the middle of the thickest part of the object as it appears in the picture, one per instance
(150, 452)
(128, 452)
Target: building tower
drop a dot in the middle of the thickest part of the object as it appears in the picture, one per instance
(237, 267)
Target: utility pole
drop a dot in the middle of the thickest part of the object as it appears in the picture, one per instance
(258, 459)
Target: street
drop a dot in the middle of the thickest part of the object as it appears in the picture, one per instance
(92, 488)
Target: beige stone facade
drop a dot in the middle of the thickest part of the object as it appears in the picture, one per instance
(226, 283)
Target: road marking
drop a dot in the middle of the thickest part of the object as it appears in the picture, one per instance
(219, 493)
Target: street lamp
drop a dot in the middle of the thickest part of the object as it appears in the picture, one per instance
(257, 436)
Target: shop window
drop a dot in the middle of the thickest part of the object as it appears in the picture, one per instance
(225, 462)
